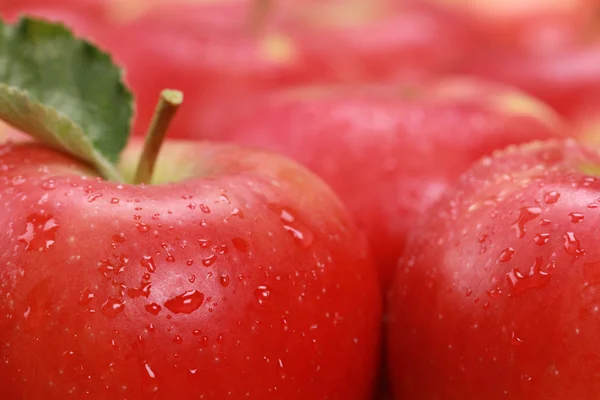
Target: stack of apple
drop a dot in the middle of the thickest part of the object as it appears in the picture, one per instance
(434, 229)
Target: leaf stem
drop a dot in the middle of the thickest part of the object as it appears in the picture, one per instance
(167, 107)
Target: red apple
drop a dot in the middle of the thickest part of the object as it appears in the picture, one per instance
(222, 273)
(496, 296)
(390, 151)
(243, 278)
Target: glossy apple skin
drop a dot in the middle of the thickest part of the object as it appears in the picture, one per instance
(391, 151)
(497, 294)
(245, 279)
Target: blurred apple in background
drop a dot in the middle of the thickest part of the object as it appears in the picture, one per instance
(549, 48)
(220, 52)
(390, 150)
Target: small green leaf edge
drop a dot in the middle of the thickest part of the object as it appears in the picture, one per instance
(96, 137)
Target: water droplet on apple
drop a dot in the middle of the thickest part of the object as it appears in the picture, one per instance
(576, 217)
(185, 303)
(148, 263)
(204, 208)
(301, 234)
(93, 197)
(143, 290)
(572, 245)
(515, 340)
(224, 198)
(526, 214)
(541, 238)
(112, 307)
(153, 308)
(86, 297)
(40, 232)
(506, 255)
(142, 227)
(170, 258)
(240, 244)
(535, 278)
(236, 212)
(204, 243)
(551, 197)
(50, 184)
(224, 280)
(178, 339)
(114, 200)
(262, 294)
(210, 260)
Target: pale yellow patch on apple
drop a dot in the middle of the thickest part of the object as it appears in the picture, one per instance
(169, 166)
(342, 13)
(277, 48)
(503, 98)
(587, 130)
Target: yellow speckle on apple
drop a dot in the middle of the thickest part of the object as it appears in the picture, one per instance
(278, 48)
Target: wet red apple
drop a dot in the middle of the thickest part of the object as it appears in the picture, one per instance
(496, 296)
(236, 273)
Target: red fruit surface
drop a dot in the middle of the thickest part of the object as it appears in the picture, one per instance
(497, 294)
(222, 53)
(390, 151)
(244, 279)
(549, 49)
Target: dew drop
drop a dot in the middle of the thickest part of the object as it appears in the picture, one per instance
(526, 214)
(50, 184)
(262, 294)
(541, 238)
(142, 291)
(153, 308)
(148, 263)
(572, 245)
(506, 255)
(178, 339)
(535, 278)
(576, 217)
(114, 200)
(551, 197)
(236, 212)
(185, 303)
(204, 208)
(93, 197)
(86, 297)
(515, 340)
(142, 227)
(224, 280)
(204, 243)
(112, 307)
(210, 260)
(40, 232)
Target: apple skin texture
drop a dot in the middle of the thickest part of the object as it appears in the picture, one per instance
(245, 279)
(497, 294)
(390, 151)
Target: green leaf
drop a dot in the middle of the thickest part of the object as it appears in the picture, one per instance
(64, 92)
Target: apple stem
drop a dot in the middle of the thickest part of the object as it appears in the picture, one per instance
(259, 11)
(167, 107)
